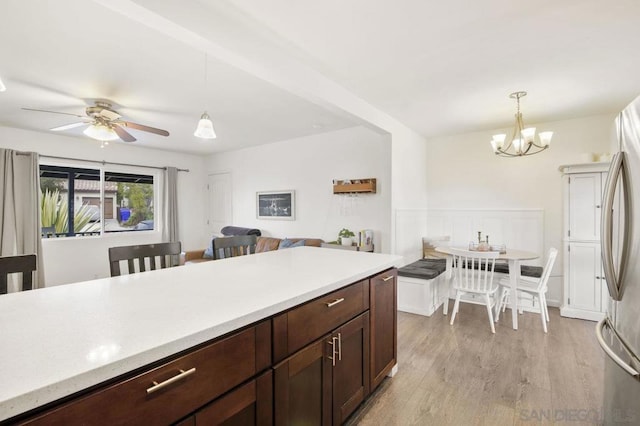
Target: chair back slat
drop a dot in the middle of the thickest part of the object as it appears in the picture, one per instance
(234, 246)
(546, 272)
(136, 257)
(22, 264)
(473, 270)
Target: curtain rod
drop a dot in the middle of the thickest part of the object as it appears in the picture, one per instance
(103, 162)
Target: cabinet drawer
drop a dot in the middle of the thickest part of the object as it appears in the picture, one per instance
(249, 404)
(306, 323)
(167, 393)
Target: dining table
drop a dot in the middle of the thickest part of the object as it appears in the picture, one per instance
(513, 257)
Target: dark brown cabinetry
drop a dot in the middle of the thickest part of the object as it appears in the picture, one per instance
(350, 381)
(302, 390)
(302, 325)
(249, 404)
(384, 331)
(324, 383)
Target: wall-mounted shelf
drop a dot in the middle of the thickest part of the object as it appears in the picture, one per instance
(355, 186)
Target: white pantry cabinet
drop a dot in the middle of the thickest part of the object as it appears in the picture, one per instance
(584, 289)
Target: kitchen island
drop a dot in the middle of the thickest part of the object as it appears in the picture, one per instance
(76, 341)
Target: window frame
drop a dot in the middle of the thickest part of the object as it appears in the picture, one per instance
(158, 210)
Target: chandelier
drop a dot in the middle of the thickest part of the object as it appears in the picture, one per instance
(523, 140)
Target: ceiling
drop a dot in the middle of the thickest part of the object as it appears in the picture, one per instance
(437, 67)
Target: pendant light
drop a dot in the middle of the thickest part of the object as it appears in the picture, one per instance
(205, 125)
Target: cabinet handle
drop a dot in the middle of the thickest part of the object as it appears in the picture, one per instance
(333, 351)
(335, 302)
(157, 386)
(385, 279)
(339, 347)
(597, 206)
(598, 278)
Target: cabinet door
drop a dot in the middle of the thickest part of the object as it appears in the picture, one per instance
(351, 370)
(302, 386)
(585, 283)
(249, 404)
(384, 333)
(585, 195)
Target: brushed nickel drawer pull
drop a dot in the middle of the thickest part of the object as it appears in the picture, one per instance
(335, 302)
(385, 279)
(333, 351)
(157, 386)
(339, 347)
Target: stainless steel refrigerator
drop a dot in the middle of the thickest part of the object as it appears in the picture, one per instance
(619, 333)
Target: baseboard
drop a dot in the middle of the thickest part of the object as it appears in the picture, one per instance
(569, 312)
(409, 310)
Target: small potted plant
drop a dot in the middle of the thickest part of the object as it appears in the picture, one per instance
(345, 237)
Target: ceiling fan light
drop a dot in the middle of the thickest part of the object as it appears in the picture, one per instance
(100, 132)
(205, 128)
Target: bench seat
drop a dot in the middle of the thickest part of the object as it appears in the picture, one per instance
(422, 287)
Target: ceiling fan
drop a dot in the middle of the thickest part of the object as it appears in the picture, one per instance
(103, 123)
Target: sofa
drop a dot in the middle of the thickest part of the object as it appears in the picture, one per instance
(263, 244)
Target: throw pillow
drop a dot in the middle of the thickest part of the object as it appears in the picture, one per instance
(208, 252)
(287, 243)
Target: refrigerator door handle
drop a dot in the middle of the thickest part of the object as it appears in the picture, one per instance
(603, 344)
(617, 169)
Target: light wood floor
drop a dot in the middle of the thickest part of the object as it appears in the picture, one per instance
(464, 375)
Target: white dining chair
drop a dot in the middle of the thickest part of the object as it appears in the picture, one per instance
(473, 280)
(536, 288)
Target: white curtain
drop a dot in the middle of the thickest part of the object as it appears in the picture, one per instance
(20, 208)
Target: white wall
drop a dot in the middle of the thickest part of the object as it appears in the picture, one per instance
(309, 165)
(409, 194)
(78, 259)
(463, 173)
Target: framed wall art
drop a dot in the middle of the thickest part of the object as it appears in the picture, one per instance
(276, 205)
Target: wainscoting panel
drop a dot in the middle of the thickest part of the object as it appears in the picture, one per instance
(517, 229)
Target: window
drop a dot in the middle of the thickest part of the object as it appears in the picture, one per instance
(80, 201)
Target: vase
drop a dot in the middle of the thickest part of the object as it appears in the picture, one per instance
(346, 241)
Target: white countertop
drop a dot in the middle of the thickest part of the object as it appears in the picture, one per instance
(59, 340)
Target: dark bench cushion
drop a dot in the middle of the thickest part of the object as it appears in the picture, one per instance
(525, 270)
(426, 269)
(430, 268)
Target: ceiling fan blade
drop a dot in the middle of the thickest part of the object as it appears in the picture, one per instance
(70, 126)
(53, 112)
(144, 128)
(123, 134)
